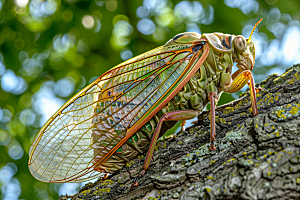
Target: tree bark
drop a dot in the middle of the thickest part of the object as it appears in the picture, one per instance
(256, 157)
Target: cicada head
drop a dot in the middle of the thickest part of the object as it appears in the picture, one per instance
(232, 49)
(244, 51)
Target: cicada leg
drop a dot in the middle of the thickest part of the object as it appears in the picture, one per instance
(238, 83)
(183, 125)
(104, 177)
(176, 115)
(256, 89)
(212, 99)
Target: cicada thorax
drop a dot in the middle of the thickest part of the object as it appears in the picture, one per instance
(194, 95)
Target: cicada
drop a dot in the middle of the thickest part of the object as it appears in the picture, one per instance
(123, 112)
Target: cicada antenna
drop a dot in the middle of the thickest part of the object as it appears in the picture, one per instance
(249, 40)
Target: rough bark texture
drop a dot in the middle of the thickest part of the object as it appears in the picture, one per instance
(256, 157)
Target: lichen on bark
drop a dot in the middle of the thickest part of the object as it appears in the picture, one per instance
(256, 157)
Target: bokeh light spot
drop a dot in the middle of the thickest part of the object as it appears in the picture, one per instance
(19, 43)
(12, 83)
(40, 8)
(45, 102)
(27, 117)
(88, 21)
(121, 31)
(21, 3)
(64, 87)
(78, 60)
(146, 26)
(159, 34)
(97, 25)
(118, 18)
(126, 54)
(6, 115)
(25, 100)
(6, 173)
(62, 44)
(23, 55)
(81, 46)
(111, 5)
(93, 79)
(4, 138)
(155, 5)
(2, 68)
(165, 19)
(142, 12)
(42, 190)
(70, 188)
(31, 67)
(246, 6)
(274, 14)
(82, 82)
(291, 47)
(15, 152)
(1, 57)
(122, 28)
(11, 189)
(67, 15)
(193, 27)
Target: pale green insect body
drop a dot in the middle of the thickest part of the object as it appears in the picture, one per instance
(114, 119)
(214, 75)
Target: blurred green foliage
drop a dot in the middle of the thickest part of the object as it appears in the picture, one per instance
(50, 49)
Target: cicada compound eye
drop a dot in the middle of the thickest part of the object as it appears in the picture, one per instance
(240, 43)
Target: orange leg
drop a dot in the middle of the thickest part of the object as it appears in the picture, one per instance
(238, 83)
(212, 99)
(176, 115)
(182, 125)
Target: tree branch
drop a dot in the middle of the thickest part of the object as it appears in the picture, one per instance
(256, 157)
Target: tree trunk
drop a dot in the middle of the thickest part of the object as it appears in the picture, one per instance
(256, 157)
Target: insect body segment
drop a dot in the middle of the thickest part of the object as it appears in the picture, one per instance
(125, 111)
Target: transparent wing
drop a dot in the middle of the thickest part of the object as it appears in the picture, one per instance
(89, 125)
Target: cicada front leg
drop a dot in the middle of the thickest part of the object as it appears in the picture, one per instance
(238, 83)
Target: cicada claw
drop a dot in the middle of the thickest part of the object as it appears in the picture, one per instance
(104, 177)
(257, 89)
(170, 137)
(135, 181)
(212, 146)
